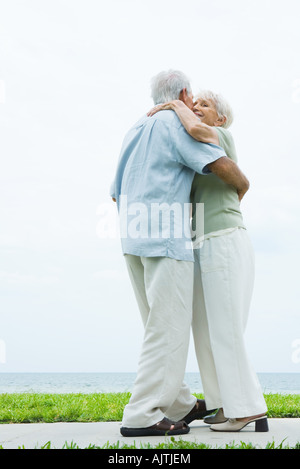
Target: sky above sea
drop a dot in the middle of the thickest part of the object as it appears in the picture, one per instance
(74, 76)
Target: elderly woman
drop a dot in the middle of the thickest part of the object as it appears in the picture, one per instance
(223, 278)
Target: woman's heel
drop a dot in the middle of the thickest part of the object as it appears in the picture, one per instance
(261, 425)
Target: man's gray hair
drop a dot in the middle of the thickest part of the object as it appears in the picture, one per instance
(166, 86)
(222, 106)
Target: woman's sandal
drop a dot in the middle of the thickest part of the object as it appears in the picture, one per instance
(234, 425)
(164, 427)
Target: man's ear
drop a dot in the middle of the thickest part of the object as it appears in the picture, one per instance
(183, 95)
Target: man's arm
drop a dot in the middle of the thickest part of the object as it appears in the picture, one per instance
(229, 172)
(204, 158)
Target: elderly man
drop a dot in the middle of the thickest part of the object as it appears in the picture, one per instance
(155, 172)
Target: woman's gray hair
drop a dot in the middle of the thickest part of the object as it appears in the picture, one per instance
(222, 106)
(166, 86)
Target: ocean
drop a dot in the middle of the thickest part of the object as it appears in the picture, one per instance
(283, 383)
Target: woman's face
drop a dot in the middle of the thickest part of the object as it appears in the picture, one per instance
(206, 111)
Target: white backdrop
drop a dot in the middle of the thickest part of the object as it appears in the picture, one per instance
(74, 76)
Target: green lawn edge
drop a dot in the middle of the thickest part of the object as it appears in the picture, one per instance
(102, 407)
(172, 444)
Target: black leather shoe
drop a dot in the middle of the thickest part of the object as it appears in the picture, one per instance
(198, 412)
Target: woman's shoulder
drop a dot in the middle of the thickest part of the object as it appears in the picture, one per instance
(226, 141)
(224, 133)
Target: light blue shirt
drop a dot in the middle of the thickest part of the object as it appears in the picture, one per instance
(152, 186)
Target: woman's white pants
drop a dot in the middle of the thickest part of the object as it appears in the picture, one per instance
(223, 285)
(164, 291)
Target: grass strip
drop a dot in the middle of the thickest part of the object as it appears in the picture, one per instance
(172, 444)
(102, 407)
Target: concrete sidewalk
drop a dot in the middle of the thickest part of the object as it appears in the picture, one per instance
(35, 435)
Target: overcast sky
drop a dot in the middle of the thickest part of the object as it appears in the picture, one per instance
(74, 77)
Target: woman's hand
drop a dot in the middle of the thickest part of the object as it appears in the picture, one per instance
(162, 107)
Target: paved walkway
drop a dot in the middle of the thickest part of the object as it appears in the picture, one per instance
(34, 435)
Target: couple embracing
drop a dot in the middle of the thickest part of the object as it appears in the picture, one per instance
(182, 153)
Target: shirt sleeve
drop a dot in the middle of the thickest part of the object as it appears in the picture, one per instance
(193, 154)
(123, 157)
(226, 141)
(112, 191)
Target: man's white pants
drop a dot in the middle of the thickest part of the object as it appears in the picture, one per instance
(164, 291)
(223, 285)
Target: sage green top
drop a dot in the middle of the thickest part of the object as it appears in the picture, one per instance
(221, 202)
